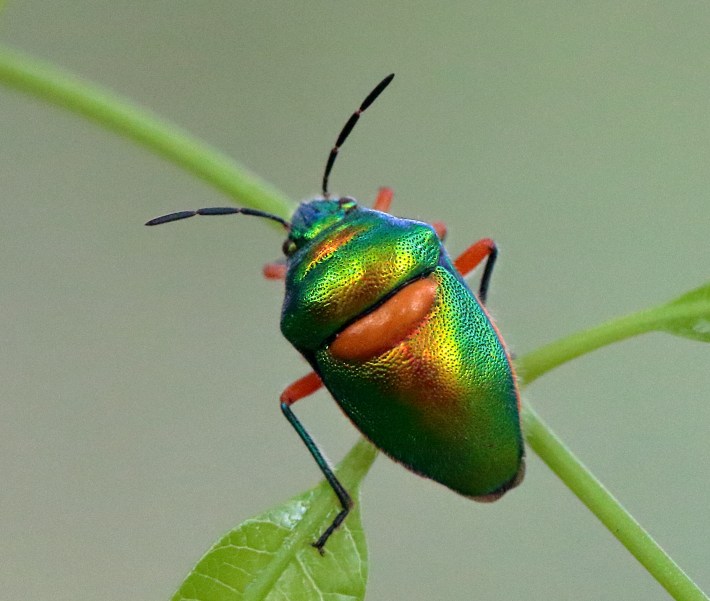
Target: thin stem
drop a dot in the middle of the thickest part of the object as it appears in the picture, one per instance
(608, 509)
(537, 362)
(125, 118)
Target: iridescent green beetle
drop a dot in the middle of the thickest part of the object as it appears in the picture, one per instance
(389, 326)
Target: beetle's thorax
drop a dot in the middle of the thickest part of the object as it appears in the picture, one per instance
(347, 260)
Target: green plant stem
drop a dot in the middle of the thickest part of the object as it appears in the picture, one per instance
(123, 117)
(574, 473)
(608, 509)
(534, 364)
(224, 174)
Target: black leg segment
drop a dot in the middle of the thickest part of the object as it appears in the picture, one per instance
(345, 500)
(487, 272)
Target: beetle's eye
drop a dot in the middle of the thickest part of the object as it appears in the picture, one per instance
(347, 203)
(289, 247)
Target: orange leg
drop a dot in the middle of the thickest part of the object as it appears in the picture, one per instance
(440, 229)
(467, 261)
(299, 389)
(383, 200)
(274, 271)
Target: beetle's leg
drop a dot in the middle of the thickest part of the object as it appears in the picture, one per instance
(275, 270)
(296, 391)
(472, 256)
(440, 229)
(301, 388)
(383, 200)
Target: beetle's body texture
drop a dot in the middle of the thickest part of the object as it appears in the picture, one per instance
(389, 326)
(442, 398)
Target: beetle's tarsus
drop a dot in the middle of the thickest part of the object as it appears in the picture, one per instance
(319, 546)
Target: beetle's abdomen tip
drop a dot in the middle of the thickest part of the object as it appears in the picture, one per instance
(492, 497)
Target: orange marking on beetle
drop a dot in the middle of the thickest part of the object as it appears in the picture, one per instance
(328, 246)
(388, 325)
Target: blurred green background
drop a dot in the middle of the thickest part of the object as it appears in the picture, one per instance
(141, 367)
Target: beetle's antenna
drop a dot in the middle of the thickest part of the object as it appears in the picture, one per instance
(217, 211)
(345, 132)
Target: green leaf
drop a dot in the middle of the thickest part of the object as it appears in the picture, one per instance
(259, 560)
(270, 557)
(688, 315)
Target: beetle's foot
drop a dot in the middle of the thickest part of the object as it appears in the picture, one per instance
(319, 545)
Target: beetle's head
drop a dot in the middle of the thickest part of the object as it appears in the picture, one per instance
(313, 217)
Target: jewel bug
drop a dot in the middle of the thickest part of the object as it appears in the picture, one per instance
(384, 317)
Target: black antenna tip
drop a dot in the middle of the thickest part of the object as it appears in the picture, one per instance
(171, 217)
(379, 88)
(348, 127)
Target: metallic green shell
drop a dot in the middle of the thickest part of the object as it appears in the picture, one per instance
(351, 266)
(443, 401)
